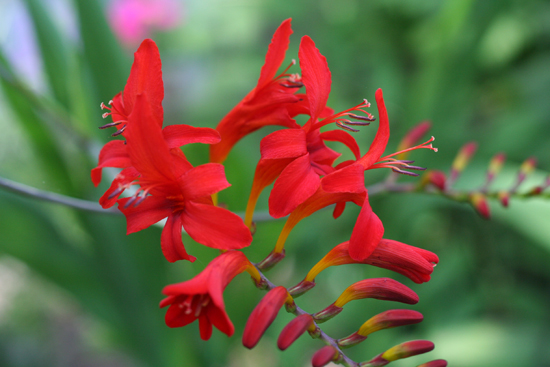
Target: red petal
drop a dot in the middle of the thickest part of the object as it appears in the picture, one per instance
(113, 154)
(338, 209)
(287, 143)
(203, 180)
(296, 184)
(205, 327)
(145, 76)
(121, 181)
(344, 138)
(382, 135)
(218, 317)
(170, 240)
(150, 211)
(275, 53)
(176, 317)
(315, 76)
(348, 179)
(367, 233)
(180, 135)
(215, 227)
(147, 149)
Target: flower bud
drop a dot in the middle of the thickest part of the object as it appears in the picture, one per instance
(412, 137)
(384, 320)
(434, 177)
(479, 202)
(527, 167)
(263, 315)
(504, 198)
(494, 167)
(435, 363)
(412, 262)
(385, 289)
(294, 329)
(390, 319)
(400, 351)
(462, 159)
(408, 349)
(324, 355)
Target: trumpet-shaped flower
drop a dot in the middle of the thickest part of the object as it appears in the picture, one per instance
(297, 157)
(267, 104)
(201, 297)
(171, 187)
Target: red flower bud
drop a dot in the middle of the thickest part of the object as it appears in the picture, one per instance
(385, 289)
(263, 315)
(435, 363)
(413, 262)
(323, 356)
(461, 160)
(479, 202)
(436, 178)
(408, 349)
(400, 351)
(294, 329)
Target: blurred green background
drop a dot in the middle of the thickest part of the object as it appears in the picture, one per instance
(76, 291)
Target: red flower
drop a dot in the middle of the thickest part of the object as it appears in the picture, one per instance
(145, 76)
(177, 190)
(266, 104)
(415, 263)
(347, 184)
(201, 297)
(298, 156)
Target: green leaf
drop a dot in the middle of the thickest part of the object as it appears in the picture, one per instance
(53, 50)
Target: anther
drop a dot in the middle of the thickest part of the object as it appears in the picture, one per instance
(140, 200)
(357, 123)
(416, 168)
(119, 131)
(359, 117)
(106, 114)
(345, 127)
(111, 124)
(116, 193)
(129, 202)
(397, 170)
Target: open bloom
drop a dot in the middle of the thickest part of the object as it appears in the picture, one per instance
(201, 297)
(145, 76)
(347, 184)
(266, 104)
(171, 187)
(298, 155)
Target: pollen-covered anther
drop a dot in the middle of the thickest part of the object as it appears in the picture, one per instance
(369, 117)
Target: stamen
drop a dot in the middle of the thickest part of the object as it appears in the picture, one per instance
(119, 131)
(397, 170)
(111, 124)
(345, 127)
(357, 123)
(416, 168)
(292, 84)
(106, 114)
(116, 192)
(369, 117)
(129, 202)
